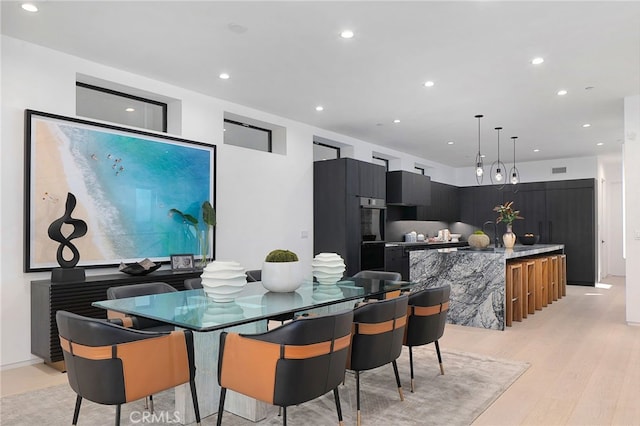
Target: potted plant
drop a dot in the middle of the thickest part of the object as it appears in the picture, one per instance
(203, 235)
(479, 240)
(281, 271)
(507, 215)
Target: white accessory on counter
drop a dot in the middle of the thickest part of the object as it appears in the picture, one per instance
(444, 235)
(420, 237)
(455, 238)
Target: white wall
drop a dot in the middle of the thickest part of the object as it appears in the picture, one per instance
(539, 171)
(632, 205)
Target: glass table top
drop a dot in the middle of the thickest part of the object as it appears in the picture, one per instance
(192, 309)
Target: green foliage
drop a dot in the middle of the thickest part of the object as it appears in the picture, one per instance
(208, 214)
(209, 220)
(281, 256)
(506, 213)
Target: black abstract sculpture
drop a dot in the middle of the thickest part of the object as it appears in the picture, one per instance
(68, 272)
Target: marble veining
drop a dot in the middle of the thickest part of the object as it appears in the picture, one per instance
(477, 279)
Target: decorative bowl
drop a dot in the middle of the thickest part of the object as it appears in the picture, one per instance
(529, 239)
(479, 241)
(139, 268)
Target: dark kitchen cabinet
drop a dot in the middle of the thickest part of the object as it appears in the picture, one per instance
(408, 188)
(397, 260)
(531, 201)
(337, 187)
(445, 204)
(570, 220)
(561, 212)
(371, 180)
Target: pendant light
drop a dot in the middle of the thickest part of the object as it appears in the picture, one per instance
(514, 172)
(479, 165)
(498, 169)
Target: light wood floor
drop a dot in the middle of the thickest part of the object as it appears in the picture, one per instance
(585, 363)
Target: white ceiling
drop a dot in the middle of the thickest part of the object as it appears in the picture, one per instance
(288, 57)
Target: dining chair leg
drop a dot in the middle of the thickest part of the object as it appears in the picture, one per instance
(284, 416)
(411, 365)
(439, 357)
(395, 371)
(336, 396)
(118, 407)
(76, 411)
(358, 398)
(223, 393)
(194, 398)
(151, 403)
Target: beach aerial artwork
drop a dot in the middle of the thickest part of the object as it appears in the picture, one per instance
(125, 185)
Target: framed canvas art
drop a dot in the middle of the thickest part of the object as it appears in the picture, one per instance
(125, 182)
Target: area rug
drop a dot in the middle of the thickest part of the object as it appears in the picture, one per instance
(469, 386)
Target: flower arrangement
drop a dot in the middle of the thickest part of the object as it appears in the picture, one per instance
(506, 213)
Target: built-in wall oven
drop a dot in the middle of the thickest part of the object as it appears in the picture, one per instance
(372, 217)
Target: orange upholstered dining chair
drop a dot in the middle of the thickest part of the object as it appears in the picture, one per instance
(427, 316)
(112, 365)
(294, 363)
(378, 330)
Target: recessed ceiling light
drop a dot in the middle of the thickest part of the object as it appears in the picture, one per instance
(536, 150)
(224, 76)
(30, 7)
(130, 109)
(319, 108)
(586, 125)
(347, 34)
(600, 143)
(396, 121)
(428, 84)
(450, 143)
(562, 92)
(537, 61)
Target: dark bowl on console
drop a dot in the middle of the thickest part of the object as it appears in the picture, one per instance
(529, 240)
(138, 268)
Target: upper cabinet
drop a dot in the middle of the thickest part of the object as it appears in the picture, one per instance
(371, 180)
(408, 188)
(445, 204)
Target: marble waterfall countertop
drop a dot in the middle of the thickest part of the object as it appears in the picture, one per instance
(477, 279)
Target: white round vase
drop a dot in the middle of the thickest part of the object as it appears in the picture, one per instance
(223, 280)
(328, 268)
(281, 277)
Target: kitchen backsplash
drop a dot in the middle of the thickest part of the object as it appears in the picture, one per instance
(395, 230)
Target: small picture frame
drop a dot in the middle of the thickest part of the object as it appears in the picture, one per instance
(182, 262)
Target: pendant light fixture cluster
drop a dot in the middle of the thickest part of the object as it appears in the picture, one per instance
(498, 172)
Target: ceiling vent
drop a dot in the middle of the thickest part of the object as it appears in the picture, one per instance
(556, 170)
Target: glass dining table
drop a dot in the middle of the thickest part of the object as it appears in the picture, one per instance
(249, 312)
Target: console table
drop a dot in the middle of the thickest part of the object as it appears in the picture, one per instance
(47, 298)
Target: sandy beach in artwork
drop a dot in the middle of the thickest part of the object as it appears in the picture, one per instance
(56, 176)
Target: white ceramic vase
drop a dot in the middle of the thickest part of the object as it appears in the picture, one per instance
(281, 277)
(328, 268)
(223, 280)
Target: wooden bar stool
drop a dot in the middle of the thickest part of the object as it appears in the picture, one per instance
(528, 287)
(513, 293)
(563, 275)
(542, 281)
(553, 277)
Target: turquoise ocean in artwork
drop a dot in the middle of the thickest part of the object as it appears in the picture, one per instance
(133, 182)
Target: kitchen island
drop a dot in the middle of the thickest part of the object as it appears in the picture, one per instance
(477, 279)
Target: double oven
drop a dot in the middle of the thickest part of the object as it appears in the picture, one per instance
(372, 243)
